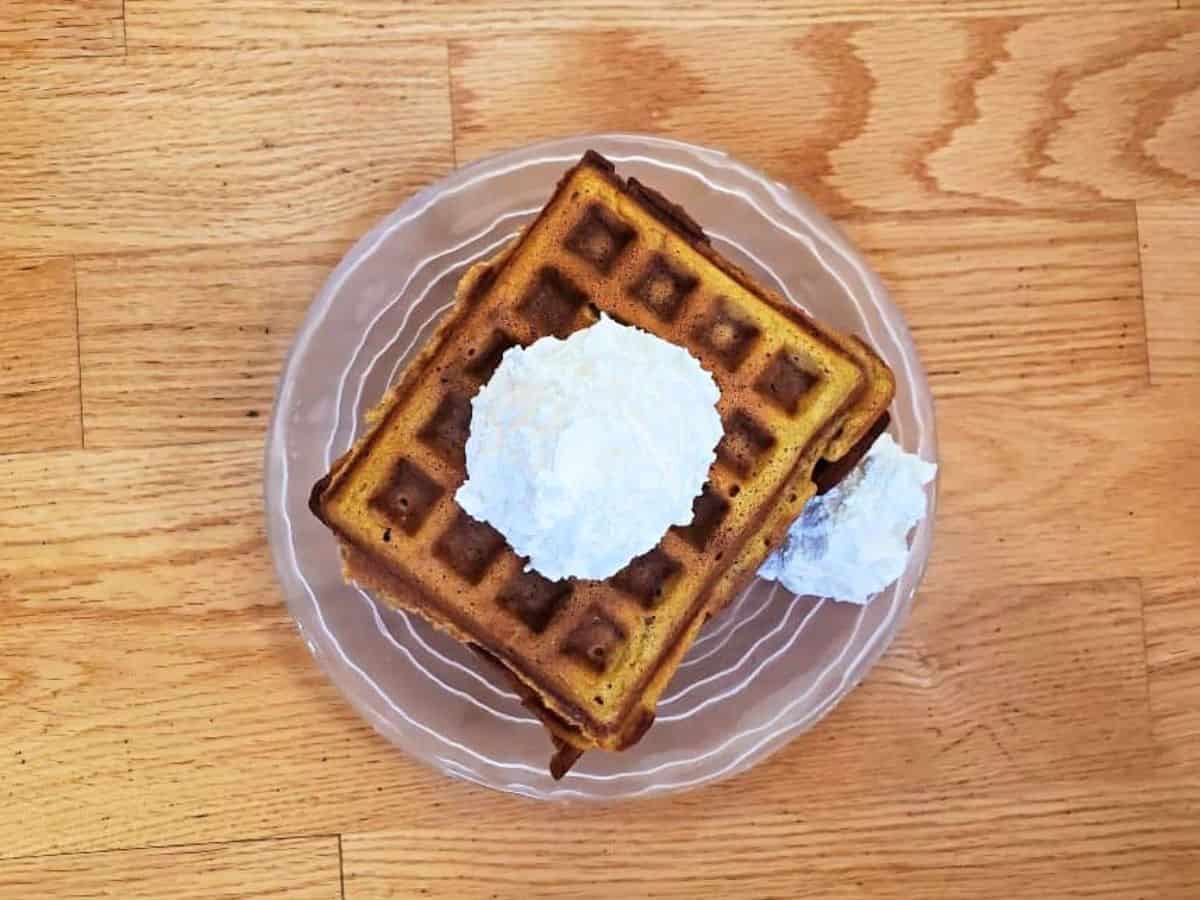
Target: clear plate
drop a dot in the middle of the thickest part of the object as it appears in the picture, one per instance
(758, 676)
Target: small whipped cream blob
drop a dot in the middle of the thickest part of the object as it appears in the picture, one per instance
(852, 542)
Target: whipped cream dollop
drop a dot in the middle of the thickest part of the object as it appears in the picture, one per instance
(852, 542)
(584, 451)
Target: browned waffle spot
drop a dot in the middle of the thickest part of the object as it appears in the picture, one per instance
(599, 237)
(534, 599)
(483, 362)
(645, 718)
(595, 640)
(708, 511)
(552, 303)
(744, 443)
(565, 756)
(407, 496)
(784, 382)
(729, 337)
(647, 576)
(469, 547)
(662, 287)
(448, 428)
(827, 475)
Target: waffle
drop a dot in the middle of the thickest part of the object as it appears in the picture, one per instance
(593, 656)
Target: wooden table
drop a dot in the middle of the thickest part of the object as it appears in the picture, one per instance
(177, 177)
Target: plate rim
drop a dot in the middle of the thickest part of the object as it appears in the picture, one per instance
(792, 202)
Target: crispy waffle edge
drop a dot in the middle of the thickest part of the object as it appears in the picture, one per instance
(473, 287)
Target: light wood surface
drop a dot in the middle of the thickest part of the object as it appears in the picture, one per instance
(1051, 842)
(177, 179)
(1057, 314)
(906, 114)
(61, 28)
(39, 369)
(299, 868)
(163, 150)
(174, 24)
(174, 353)
(1173, 657)
(1170, 235)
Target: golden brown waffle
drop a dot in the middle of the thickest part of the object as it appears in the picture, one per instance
(597, 654)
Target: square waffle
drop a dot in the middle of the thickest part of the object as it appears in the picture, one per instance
(592, 657)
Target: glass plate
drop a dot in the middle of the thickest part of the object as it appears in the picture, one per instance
(759, 675)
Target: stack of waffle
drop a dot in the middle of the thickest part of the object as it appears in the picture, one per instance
(799, 402)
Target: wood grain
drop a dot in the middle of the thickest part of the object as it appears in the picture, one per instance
(151, 592)
(299, 868)
(913, 114)
(1081, 491)
(39, 365)
(1051, 842)
(1170, 247)
(87, 534)
(1173, 658)
(178, 149)
(1044, 305)
(169, 24)
(996, 686)
(1021, 179)
(154, 689)
(61, 28)
(182, 346)
(126, 737)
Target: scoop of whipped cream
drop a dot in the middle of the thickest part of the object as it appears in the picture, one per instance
(584, 451)
(852, 542)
